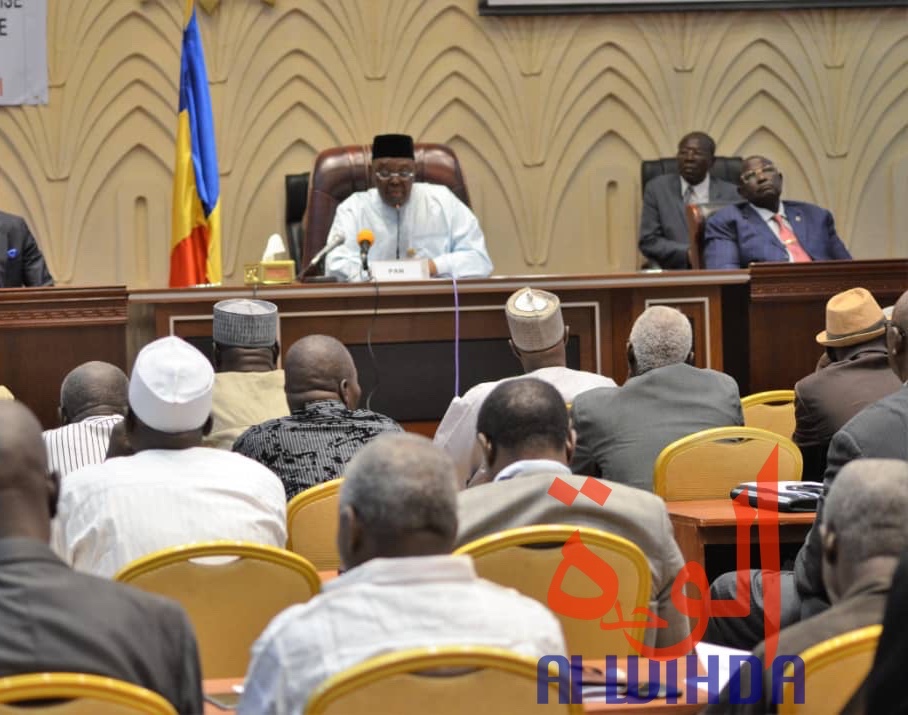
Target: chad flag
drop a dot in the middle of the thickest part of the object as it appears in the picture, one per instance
(195, 244)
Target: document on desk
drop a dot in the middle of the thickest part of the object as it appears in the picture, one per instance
(728, 659)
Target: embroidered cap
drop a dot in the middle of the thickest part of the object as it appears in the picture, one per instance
(534, 319)
(170, 387)
(245, 323)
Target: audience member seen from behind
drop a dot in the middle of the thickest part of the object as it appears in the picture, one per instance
(856, 375)
(663, 224)
(527, 443)
(171, 491)
(763, 227)
(325, 427)
(620, 433)
(402, 589)
(539, 341)
(863, 531)
(408, 219)
(248, 387)
(55, 619)
(93, 400)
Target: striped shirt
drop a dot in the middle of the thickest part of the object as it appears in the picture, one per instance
(313, 444)
(76, 445)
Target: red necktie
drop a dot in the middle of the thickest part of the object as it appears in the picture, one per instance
(787, 236)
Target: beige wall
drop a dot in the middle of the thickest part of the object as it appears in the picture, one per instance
(550, 117)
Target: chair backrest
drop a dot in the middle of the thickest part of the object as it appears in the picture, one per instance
(296, 192)
(833, 671)
(727, 168)
(82, 694)
(773, 410)
(697, 214)
(229, 601)
(344, 170)
(527, 559)
(312, 524)
(709, 464)
(441, 681)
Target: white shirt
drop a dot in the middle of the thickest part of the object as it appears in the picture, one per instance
(456, 432)
(701, 190)
(387, 605)
(433, 223)
(531, 466)
(767, 216)
(79, 444)
(112, 513)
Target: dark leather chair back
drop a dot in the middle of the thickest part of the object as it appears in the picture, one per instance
(341, 171)
(696, 228)
(296, 189)
(727, 168)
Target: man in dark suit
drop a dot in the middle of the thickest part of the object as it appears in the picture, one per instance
(620, 433)
(857, 375)
(663, 223)
(56, 619)
(863, 531)
(527, 444)
(21, 261)
(765, 228)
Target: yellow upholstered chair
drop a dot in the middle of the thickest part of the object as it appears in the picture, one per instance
(442, 681)
(527, 559)
(229, 601)
(773, 410)
(312, 524)
(833, 671)
(81, 695)
(709, 464)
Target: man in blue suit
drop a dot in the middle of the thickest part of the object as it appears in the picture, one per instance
(21, 261)
(765, 228)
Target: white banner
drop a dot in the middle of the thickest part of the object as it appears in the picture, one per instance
(23, 51)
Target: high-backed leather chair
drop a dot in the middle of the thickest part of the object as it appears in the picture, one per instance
(697, 214)
(296, 189)
(341, 171)
(727, 168)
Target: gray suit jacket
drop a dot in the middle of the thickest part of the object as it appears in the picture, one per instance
(663, 223)
(630, 513)
(879, 431)
(57, 619)
(621, 432)
(21, 261)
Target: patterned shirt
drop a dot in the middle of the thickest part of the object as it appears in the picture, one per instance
(313, 444)
(79, 444)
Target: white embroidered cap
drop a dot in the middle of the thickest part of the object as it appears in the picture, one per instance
(534, 319)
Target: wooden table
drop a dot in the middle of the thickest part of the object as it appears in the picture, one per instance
(656, 707)
(712, 521)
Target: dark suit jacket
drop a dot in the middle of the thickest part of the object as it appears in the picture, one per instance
(861, 606)
(826, 399)
(637, 516)
(878, 431)
(21, 261)
(737, 236)
(663, 223)
(56, 619)
(621, 432)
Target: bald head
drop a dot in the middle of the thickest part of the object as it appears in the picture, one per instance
(319, 367)
(661, 336)
(897, 338)
(399, 498)
(93, 389)
(28, 494)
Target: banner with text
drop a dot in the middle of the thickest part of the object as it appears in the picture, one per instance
(23, 51)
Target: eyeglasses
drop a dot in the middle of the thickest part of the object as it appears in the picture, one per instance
(384, 174)
(768, 170)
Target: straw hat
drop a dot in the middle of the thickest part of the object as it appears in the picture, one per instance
(852, 317)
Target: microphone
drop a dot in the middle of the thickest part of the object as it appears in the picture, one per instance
(333, 242)
(365, 239)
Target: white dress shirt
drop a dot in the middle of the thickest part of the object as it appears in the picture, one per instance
(456, 432)
(79, 444)
(701, 190)
(433, 223)
(112, 513)
(383, 606)
(768, 215)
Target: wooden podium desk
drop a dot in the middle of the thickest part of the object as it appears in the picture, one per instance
(412, 326)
